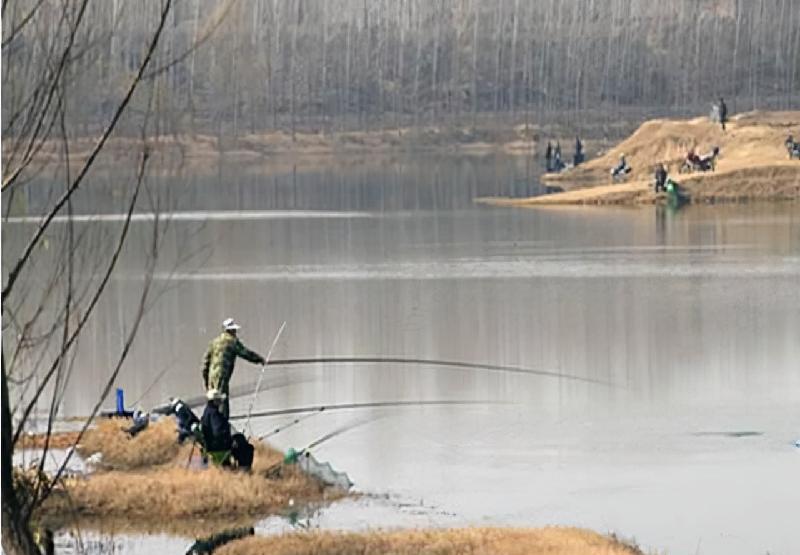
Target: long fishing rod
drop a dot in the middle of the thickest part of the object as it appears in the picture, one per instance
(261, 376)
(435, 362)
(375, 404)
(294, 422)
(246, 388)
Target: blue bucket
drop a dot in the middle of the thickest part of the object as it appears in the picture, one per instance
(120, 401)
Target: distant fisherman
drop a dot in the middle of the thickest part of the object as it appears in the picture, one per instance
(548, 157)
(661, 178)
(578, 159)
(723, 112)
(220, 359)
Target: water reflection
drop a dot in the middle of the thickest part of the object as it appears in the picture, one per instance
(695, 312)
(209, 544)
(378, 183)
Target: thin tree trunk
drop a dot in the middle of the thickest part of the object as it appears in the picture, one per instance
(346, 110)
(292, 70)
(17, 537)
(513, 76)
(734, 77)
(398, 101)
(498, 37)
(475, 27)
(416, 67)
(437, 15)
(324, 95)
(276, 4)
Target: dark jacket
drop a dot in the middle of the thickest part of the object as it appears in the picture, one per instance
(661, 176)
(216, 429)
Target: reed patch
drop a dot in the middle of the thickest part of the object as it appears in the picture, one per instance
(474, 541)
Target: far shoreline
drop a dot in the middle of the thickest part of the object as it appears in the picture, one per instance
(754, 165)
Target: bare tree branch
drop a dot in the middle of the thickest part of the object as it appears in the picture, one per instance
(21, 25)
(12, 277)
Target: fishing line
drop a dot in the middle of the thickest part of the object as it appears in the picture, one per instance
(375, 404)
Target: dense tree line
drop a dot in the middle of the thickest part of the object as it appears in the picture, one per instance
(326, 65)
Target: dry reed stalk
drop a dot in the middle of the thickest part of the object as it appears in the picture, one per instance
(475, 541)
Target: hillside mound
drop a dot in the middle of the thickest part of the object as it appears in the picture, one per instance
(751, 140)
(753, 164)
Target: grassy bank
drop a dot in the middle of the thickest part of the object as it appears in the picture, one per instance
(144, 484)
(753, 165)
(149, 481)
(475, 541)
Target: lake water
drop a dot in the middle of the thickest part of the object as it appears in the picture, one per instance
(691, 317)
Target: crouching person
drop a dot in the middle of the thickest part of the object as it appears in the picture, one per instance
(222, 447)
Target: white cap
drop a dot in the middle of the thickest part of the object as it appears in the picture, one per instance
(230, 325)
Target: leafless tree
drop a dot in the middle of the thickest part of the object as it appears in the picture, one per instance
(57, 276)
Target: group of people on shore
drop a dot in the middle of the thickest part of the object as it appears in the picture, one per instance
(553, 160)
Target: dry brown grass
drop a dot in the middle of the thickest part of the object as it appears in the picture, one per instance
(175, 492)
(474, 541)
(147, 479)
(155, 445)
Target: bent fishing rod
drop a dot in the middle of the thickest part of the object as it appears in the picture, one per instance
(247, 388)
(275, 468)
(244, 389)
(436, 362)
(370, 405)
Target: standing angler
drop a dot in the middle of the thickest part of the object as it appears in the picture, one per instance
(220, 359)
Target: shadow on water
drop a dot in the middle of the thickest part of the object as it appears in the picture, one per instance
(204, 536)
(209, 544)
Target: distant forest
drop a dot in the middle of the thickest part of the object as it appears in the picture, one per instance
(237, 67)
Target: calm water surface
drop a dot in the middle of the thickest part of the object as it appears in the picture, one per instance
(692, 316)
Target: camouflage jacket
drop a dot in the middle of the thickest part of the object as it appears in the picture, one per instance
(220, 358)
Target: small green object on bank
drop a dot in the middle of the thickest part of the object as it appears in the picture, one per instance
(291, 456)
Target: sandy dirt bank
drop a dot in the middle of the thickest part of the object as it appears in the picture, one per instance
(753, 164)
